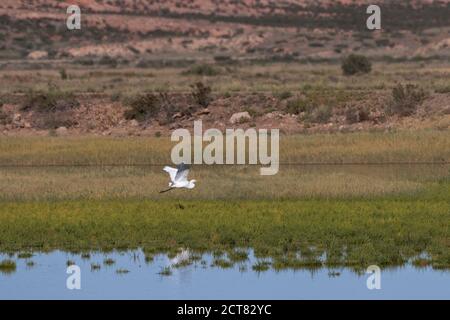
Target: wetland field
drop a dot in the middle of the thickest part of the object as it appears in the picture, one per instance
(348, 200)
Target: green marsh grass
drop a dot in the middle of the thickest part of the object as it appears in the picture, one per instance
(303, 217)
(261, 266)
(30, 264)
(95, 266)
(349, 232)
(122, 271)
(7, 266)
(109, 262)
(24, 255)
(166, 271)
(222, 263)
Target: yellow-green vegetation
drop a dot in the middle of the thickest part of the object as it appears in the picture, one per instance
(7, 266)
(349, 232)
(76, 181)
(307, 216)
(273, 77)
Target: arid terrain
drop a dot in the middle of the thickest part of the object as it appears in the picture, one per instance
(268, 63)
(152, 32)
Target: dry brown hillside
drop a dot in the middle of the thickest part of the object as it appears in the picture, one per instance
(198, 29)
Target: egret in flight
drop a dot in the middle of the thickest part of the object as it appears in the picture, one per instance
(178, 177)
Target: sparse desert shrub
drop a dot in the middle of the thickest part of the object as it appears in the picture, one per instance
(167, 107)
(56, 119)
(283, 95)
(356, 64)
(49, 101)
(142, 107)
(405, 100)
(63, 74)
(4, 117)
(438, 90)
(223, 59)
(201, 94)
(355, 114)
(116, 96)
(202, 70)
(320, 115)
(300, 105)
(143, 64)
(85, 61)
(108, 61)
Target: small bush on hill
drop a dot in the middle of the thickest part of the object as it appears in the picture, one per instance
(300, 105)
(4, 117)
(405, 100)
(321, 114)
(201, 94)
(356, 64)
(142, 107)
(49, 101)
(355, 114)
(55, 120)
(63, 74)
(202, 70)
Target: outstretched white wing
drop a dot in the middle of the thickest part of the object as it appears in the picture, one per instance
(172, 172)
(182, 172)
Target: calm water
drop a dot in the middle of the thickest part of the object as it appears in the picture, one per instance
(47, 280)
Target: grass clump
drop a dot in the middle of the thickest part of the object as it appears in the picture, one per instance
(355, 114)
(237, 255)
(182, 264)
(202, 70)
(149, 258)
(51, 100)
(421, 262)
(122, 271)
(405, 100)
(261, 266)
(63, 74)
(322, 114)
(24, 255)
(70, 263)
(30, 264)
(222, 263)
(5, 118)
(356, 64)
(109, 262)
(283, 95)
(95, 266)
(301, 105)
(7, 266)
(85, 256)
(142, 107)
(201, 94)
(166, 271)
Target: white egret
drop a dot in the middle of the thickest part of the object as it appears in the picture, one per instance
(178, 177)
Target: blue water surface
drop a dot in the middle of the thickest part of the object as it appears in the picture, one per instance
(47, 280)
